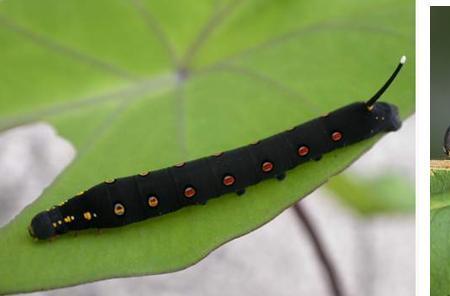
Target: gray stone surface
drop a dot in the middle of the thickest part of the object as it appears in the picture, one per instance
(373, 256)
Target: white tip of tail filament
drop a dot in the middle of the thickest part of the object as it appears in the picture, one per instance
(403, 60)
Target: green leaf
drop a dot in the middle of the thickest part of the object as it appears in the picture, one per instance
(143, 85)
(384, 194)
(439, 234)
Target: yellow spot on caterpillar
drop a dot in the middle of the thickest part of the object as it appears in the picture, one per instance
(110, 181)
(72, 218)
(54, 224)
(119, 209)
(59, 222)
(143, 174)
(80, 193)
(87, 215)
(152, 201)
(67, 219)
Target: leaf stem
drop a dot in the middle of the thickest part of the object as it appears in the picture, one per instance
(440, 164)
(320, 251)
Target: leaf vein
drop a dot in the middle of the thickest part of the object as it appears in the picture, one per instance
(50, 44)
(214, 21)
(257, 76)
(155, 27)
(302, 31)
(140, 88)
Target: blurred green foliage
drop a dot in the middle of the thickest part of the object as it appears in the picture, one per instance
(388, 193)
(439, 234)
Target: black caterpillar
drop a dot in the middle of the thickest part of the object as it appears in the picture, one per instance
(447, 142)
(127, 200)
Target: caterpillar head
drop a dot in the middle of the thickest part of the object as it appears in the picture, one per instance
(41, 226)
(47, 224)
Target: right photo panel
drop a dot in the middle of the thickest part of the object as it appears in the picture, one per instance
(440, 150)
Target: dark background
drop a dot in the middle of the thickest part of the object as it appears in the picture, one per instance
(440, 78)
